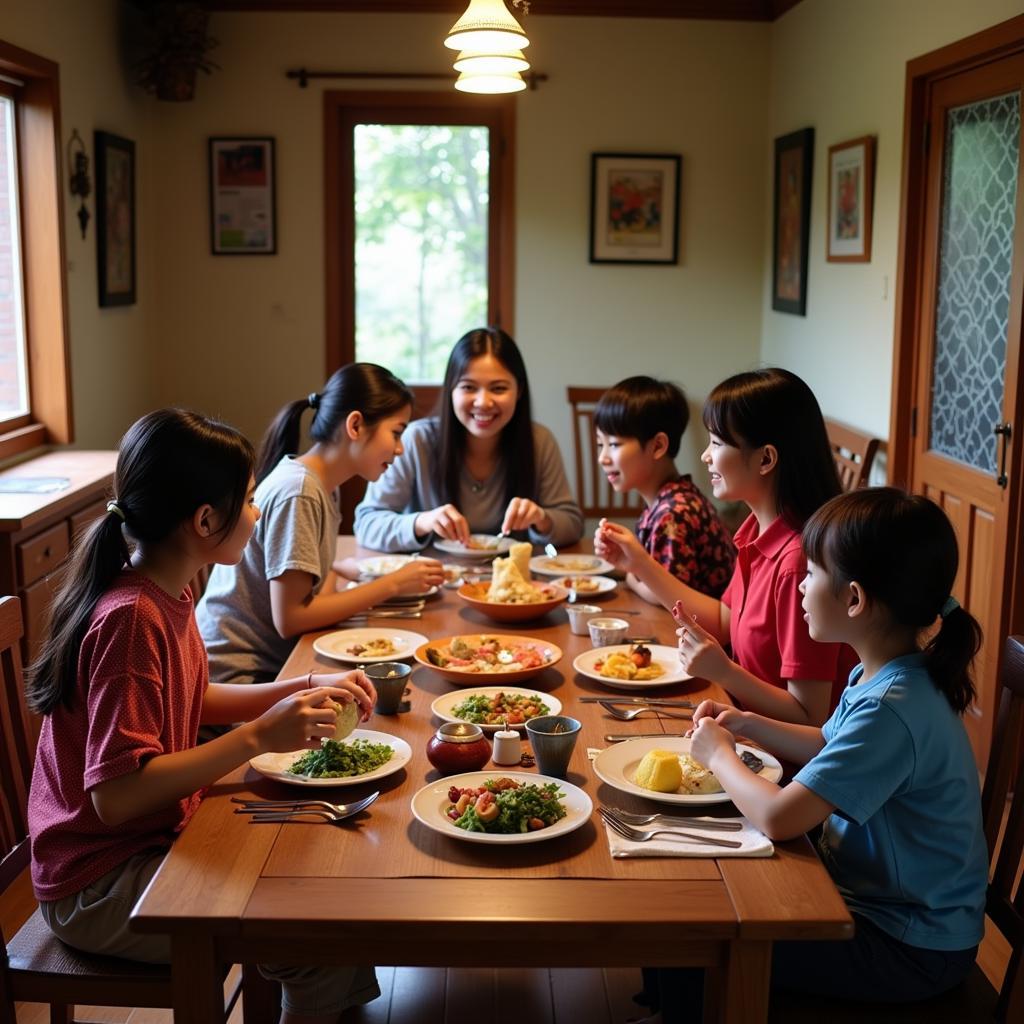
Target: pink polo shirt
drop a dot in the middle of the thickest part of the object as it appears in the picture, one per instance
(769, 636)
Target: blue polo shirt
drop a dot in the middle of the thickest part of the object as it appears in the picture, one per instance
(905, 844)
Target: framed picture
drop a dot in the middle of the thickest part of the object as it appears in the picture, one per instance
(794, 158)
(242, 208)
(634, 208)
(115, 218)
(851, 184)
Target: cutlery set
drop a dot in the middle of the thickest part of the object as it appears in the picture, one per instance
(273, 811)
(613, 819)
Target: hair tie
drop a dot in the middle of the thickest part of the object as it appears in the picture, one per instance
(951, 605)
(313, 400)
(112, 506)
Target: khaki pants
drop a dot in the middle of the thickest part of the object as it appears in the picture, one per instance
(96, 920)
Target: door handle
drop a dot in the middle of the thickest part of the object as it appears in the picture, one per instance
(1002, 430)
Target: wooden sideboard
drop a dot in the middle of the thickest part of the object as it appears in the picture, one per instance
(37, 530)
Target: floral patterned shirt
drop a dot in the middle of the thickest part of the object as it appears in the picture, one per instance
(682, 532)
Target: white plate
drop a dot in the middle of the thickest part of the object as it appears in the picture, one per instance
(381, 565)
(275, 766)
(605, 585)
(442, 707)
(429, 804)
(617, 764)
(454, 547)
(667, 657)
(334, 645)
(569, 565)
(400, 598)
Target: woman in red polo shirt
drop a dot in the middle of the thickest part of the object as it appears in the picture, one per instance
(767, 447)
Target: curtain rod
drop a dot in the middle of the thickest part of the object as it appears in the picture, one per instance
(304, 75)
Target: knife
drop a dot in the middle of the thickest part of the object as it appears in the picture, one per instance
(621, 737)
(643, 701)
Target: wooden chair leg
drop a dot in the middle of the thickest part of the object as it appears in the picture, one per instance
(62, 1013)
(261, 999)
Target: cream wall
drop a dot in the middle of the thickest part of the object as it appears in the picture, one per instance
(241, 335)
(113, 355)
(841, 67)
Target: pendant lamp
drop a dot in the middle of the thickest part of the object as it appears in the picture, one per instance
(487, 27)
(491, 84)
(506, 63)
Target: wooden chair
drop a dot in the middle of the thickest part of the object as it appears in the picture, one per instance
(1002, 803)
(854, 453)
(35, 966)
(594, 494)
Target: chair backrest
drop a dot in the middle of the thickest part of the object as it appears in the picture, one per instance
(17, 747)
(854, 453)
(594, 494)
(1005, 776)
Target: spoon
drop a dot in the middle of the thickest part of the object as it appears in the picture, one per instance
(628, 714)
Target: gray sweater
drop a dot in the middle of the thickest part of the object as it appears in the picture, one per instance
(385, 518)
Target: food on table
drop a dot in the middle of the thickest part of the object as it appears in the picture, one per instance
(384, 565)
(752, 761)
(336, 760)
(581, 584)
(660, 771)
(571, 563)
(636, 665)
(505, 806)
(346, 718)
(487, 654)
(510, 581)
(520, 553)
(379, 647)
(514, 708)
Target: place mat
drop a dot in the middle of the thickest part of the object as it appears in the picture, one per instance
(755, 844)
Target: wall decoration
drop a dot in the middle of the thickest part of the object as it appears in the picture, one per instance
(794, 158)
(115, 218)
(634, 208)
(242, 207)
(851, 182)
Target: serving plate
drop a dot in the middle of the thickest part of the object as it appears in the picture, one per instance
(461, 677)
(335, 645)
(475, 595)
(381, 565)
(569, 565)
(442, 707)
(429, 804)
(487, 546)
(666, 656)
(275, 765)
(617, 764)
(602, 585)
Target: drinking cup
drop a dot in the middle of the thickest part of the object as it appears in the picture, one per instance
(580, 615)
(607, 631)
(553, 738)
(390, 679)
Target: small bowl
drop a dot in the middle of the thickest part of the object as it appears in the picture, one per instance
(580, 615)
(607, 632)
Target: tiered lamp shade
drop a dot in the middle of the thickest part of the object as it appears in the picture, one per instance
(487, 27)
(509, 62)
(490, 84)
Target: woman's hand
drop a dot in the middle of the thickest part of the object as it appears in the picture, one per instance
(618, 545)
(699, 652)
(302, 719)
(418, 575)
(522, 513)
(708, 740)
(446, 521)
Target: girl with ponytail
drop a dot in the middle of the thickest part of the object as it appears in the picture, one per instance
(287, 582)
(890, 776)
(123, 686)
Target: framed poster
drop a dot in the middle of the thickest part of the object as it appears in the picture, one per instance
(794, 159)
(851, 183)
(115, 218)
(242, 213)
(634, 208)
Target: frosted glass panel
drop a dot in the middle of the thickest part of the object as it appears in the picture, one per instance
(975, 261)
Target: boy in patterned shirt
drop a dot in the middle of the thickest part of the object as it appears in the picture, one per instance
(640, 422)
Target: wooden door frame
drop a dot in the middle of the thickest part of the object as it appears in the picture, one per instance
(995, 43)
(345, 108)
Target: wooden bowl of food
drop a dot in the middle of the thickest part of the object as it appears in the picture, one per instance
(476, 658)
(537, 600)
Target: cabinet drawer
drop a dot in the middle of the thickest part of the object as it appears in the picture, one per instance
(42, 553)
(35, 603)
(84, 519)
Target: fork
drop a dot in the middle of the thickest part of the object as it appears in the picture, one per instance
(298, 814)
(714, 825)
(643, 835)
(628, 714)
(291, 806)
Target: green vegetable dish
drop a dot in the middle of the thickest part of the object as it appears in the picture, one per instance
(505, 806)
(515, 708)
(336, 760)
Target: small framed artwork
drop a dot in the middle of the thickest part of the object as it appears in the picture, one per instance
(794, 162)
(115, 218)
(851, 183)
(242, 208)
(634, 208)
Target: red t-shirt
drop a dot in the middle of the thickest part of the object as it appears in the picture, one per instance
(142, 673)
(769, 636)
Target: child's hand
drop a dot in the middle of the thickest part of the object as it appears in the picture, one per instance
(617, 544)
(346, 568)
(709, 739)
(302, 719)
(418, 575)
(521, 514)
(724, 715)
(699, 652)
(446, 521)
(356, 684)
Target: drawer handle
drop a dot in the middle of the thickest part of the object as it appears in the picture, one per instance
(46, 552)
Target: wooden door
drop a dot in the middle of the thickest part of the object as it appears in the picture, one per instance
(965, 421)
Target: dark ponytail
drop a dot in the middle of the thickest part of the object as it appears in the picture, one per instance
(902, 550)
(169, 464)
(359, 387)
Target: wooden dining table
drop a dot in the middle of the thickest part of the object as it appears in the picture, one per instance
(384, 889)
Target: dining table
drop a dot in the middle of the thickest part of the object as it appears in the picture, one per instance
(382, 888)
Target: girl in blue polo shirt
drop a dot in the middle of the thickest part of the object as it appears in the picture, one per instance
(890, 776)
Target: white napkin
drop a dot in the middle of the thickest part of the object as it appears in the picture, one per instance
(755, 844)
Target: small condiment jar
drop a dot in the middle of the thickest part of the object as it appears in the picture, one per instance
(506, 746)
(458, 747)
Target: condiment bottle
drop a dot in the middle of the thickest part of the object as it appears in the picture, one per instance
(506, 745)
